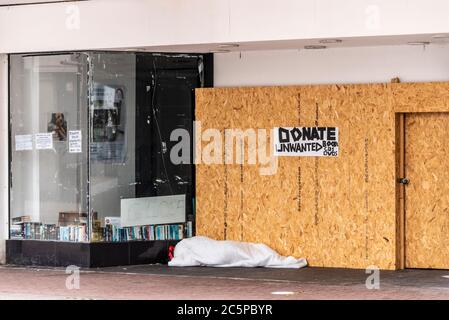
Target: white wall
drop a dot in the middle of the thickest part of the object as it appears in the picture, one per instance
(343, 65)
(16, 2)
(3, 154)
(144, 23)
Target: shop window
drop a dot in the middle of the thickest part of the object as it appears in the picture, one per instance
(90, 146)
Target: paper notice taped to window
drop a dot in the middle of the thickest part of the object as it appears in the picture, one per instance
(75, 141)
(24, 142)
(43, 141)
(109, 97)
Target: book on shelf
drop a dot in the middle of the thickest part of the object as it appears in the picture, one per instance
(116, 221)
(20, 220)
(71, 218)
(73, 233)
(97, 231)
(40, 231)
(189, 229)
(16, 231)
(113, 233)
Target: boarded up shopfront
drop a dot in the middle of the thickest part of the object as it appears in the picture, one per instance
(347, 210)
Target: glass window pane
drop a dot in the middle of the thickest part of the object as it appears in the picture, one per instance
(49, 147)
(137, 101)
(92, 137)
(112, 136)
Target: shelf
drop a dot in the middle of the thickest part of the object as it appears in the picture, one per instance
(87, 254)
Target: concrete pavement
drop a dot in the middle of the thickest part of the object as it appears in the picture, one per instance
(162, 282)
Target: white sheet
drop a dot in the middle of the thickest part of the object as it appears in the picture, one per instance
(203, 251)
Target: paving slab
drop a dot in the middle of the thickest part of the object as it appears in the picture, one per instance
(154, 282)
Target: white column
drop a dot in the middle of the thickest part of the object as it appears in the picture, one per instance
(4, 143)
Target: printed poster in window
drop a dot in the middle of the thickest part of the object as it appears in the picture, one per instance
(108, 123)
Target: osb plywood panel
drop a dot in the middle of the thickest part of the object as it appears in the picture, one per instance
(421, 97)
(336, 212)
(427, 195)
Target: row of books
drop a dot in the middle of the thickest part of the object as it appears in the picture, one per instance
(160, 232)
(110, 233)
(40, 231)
(73, 233)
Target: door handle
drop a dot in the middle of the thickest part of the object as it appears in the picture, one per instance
(404, 181)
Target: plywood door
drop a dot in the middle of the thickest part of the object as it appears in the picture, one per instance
(427, 194)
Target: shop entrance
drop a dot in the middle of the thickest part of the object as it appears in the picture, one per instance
(426, 189)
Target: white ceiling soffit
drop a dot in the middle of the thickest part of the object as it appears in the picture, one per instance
(22, 2)
(201, 25)
(424, 40)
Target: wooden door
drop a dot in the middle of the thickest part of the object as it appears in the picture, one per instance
(427, 193)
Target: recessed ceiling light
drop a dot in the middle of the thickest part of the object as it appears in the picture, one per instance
(314, 47)
(440, 36)
(327, 41)
(282, 293)
(135, 49)
(220, 51)
(418, 43)
(228, 45)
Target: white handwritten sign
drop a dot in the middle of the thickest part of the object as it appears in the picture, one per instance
(75, 144)
(306, 141)
(153, 210)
